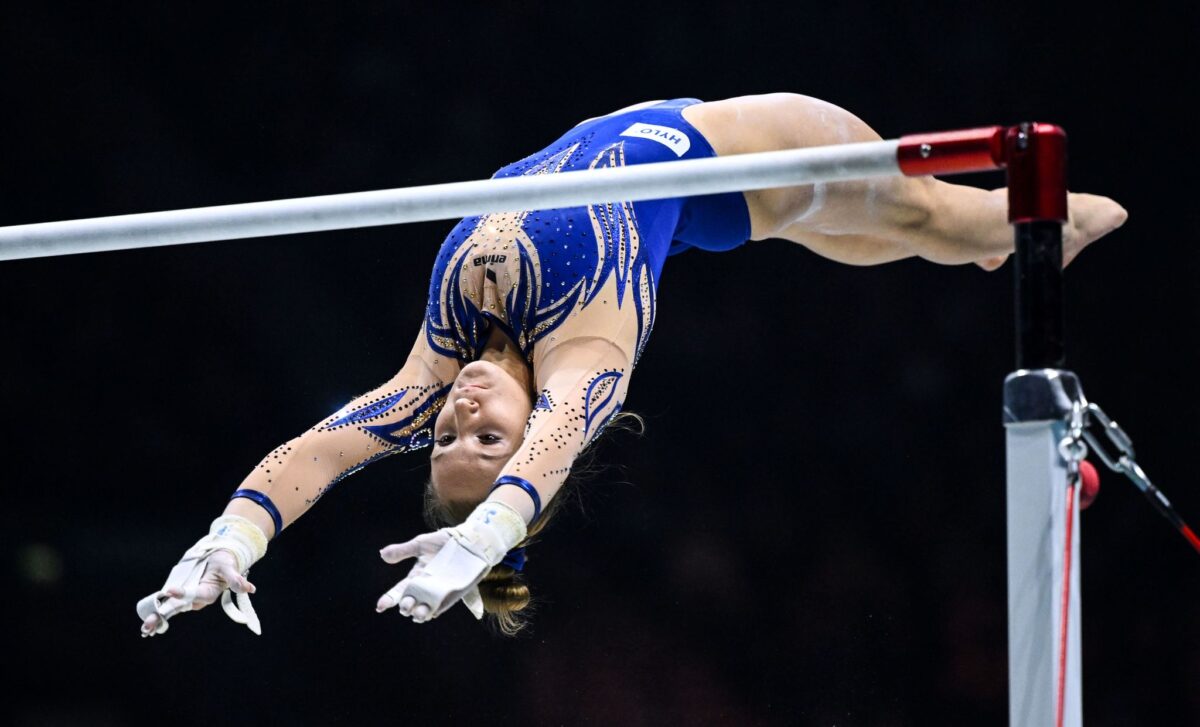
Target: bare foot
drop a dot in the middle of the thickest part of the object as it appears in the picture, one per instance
(1090, 218)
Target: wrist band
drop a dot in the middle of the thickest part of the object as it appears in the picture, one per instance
(265, 503)
(529, 490)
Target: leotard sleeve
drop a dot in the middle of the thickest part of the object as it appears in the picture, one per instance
(584, 389)
(582, 378)
(395, 417)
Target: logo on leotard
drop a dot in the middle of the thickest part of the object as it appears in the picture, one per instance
(488, 260)
(673, 139)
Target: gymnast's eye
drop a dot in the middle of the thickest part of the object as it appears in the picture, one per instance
(489, 438)
(445, 439)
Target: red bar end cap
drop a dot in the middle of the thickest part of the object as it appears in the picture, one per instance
(1036, 157)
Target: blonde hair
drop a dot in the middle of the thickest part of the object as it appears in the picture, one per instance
(506, 597)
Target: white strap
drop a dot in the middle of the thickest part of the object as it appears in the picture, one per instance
(491, 530)
(185, 575)
(474, 602)
(243, 612)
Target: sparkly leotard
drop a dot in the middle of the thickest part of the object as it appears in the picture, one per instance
(527, 272)
(574, 288)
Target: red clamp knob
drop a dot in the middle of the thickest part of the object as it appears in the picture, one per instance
(1089, 480)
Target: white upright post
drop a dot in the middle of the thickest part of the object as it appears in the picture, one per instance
(1037, 407)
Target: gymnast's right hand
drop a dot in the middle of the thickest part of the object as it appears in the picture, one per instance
(451, 562)
(216, 566)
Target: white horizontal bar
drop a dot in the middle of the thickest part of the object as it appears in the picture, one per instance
(452, 201)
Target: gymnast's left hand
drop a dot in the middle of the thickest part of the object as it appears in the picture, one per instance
(451, 562)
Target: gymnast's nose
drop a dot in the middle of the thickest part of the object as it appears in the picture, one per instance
(464, 407)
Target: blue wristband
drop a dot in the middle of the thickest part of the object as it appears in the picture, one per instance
(529, 490)
(265, 503)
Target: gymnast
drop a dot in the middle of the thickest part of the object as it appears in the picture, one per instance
(534, 324)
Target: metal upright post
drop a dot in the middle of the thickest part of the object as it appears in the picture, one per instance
(1040, 399)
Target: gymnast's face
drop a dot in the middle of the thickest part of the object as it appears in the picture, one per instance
(477, 431)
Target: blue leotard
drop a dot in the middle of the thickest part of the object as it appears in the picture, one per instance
(577, 249)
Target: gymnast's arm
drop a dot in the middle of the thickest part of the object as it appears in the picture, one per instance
(581, 386)
(877, 220)
(392, 418)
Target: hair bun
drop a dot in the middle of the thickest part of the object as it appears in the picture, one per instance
(505, 597)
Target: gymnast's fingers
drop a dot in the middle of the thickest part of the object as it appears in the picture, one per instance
(406, 605)
(150, 625)
(174, 605)
(392, 597)
(422, 613)
(398, 552)
(236, 581)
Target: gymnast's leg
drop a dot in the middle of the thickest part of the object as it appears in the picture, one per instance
(878, 220)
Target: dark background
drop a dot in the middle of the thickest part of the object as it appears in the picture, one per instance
(811, 530)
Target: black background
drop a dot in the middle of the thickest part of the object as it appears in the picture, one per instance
(811, 530)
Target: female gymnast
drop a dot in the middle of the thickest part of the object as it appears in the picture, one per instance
(534, 324)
